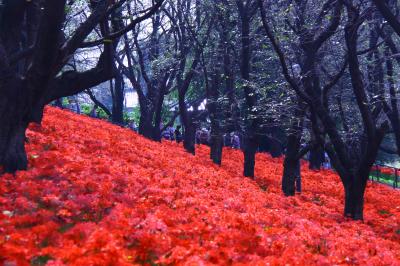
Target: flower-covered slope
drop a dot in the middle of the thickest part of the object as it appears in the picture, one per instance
(97, 194)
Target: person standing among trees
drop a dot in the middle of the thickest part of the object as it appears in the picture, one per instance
(93, 112)
(168, 133)
(133, 126)
(171, 131)
(197, 136)
(327, 164)
(227, 140)
(178, 134)
(204, 136)
(235, 141)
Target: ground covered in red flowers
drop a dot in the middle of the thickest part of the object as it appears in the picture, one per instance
(97, 194)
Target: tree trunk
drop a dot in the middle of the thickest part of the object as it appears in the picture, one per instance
(216, 144)
(15, 106)
(215, 113)
(291, 164)
(317, 156)
(354, 198)
(14, 122)
(290, 172)
(189, 137)
(118, 101)
(188, 126)
(157, 132)
(291, 167)
(250, 149)
(158, 115)
(12, 147)
(145, 125)
(118, 95)
(251, 140)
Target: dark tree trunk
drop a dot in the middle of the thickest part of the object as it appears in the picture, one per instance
(189, 136)
(158, 115)
(186, 120)
(213, 105)
(317, 157)
(291, 164)
(216, 138)
(13, 124)
(250, 150)
(157, 132)
(118, 100)
(354, 198)
(290, 172)
(216, 147)
(251, 138)
(118, 94)
(12, 145)
(146, 124)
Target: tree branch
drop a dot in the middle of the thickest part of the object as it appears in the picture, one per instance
(73, 82)
(333, 81)
(388, 15)
(83, 31)
(281, 56)
(128, 28)
(46, 48)
(98, 103)
(331, 28)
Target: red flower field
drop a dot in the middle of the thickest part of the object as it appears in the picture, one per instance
(97, 194)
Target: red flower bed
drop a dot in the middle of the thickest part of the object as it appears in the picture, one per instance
(384, 170)
(387, 171)
(96, 194)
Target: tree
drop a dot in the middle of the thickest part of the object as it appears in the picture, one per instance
(352, 162)
(191, 32)
(153, 78)
(390, 105)
(247, 10)
(31, 70)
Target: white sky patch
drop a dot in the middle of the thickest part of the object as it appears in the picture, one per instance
(131, 99)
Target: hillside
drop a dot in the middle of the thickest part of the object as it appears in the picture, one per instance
(97, 194)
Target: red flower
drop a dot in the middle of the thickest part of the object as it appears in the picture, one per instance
(97, 194)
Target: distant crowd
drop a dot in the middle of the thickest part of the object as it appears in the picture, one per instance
(202, 136)
(171, 133)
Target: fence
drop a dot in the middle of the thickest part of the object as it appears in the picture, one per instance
(385, 174)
